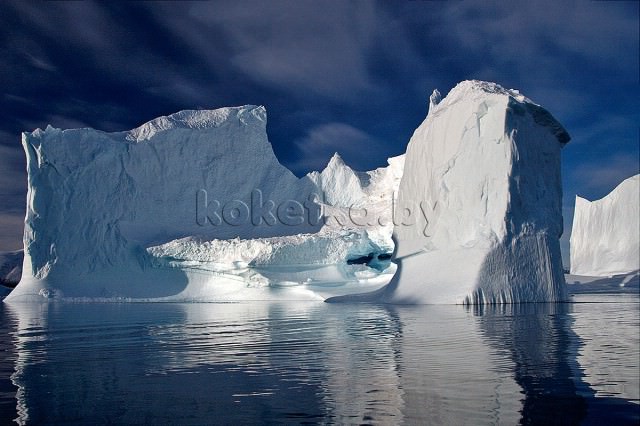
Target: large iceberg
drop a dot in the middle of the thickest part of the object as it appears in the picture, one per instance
(479, 203)
(117, 215)
(605, 236)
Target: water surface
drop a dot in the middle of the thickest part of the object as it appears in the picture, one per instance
(321, 363)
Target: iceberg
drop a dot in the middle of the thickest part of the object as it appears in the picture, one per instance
(605, 235)
(128, 215)
(10, 268)
(10, 271)
(479, 203)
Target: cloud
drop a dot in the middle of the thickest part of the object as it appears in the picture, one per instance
(604, 127)
(601, 177)
(564, 103)
(98, 51)
(40, 62)
(11, 230)
(336, 76)
(292, 46)
(534, 35)
(322, 141)
(13, 190)
(12, 177)
(12, 161)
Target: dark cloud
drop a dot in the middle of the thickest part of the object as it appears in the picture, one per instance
(340, 76)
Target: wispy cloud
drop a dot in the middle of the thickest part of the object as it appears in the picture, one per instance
(321, 142)
(291, 46)
(531, 35)
(11, 230)
(605, 127)
(13, 191)
(352, 77)
(599, 178)
(13, 178)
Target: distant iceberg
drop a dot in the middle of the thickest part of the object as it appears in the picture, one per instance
(196, 207)
(10, 271)
(605, 236)
(10, 267)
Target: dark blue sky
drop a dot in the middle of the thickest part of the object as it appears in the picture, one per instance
(347, 76)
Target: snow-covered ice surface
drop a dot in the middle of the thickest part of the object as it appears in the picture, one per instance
(339, 259)
(605, 236)
(105, 211)
(480, 203)
(319, 263)
(360, 200)
(328, 247)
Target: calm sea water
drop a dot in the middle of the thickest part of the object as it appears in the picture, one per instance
(272, 363)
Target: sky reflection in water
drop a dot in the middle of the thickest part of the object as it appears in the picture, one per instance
(316, 362)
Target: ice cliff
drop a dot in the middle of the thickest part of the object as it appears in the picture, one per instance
(605, 236)
(96, 200)
(479, 203)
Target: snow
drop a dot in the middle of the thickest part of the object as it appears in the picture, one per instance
(605, 236)
(479, 203)
(328, 247)
(360, 200)
(340, 185)
(318, 262)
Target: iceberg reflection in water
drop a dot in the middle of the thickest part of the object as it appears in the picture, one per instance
(316, 362)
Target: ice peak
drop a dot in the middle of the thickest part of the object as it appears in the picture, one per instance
(434, 99)
(336, 160)
(198, 119)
